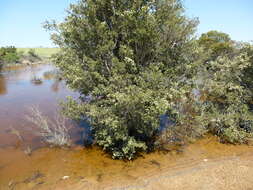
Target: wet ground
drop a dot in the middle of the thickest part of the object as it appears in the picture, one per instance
(205, 164)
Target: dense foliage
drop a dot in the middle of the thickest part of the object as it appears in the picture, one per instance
(248, 72)
(134, 62)
(217, 44)
(8, 55)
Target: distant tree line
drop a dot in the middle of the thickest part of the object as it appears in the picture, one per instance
(10, 55)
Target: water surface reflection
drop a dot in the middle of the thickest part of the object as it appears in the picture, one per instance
(3, 89)
(18, 92)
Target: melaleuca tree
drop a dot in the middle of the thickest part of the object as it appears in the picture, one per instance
(124, 55)
(217, 44)
(225, 98)
(247, 78)
(248, 72)
(224, 75)
(212, 99)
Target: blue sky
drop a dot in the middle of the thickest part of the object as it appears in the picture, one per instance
(21, 20)
(234, 17)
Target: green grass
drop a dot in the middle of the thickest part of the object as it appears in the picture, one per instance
(42, 52)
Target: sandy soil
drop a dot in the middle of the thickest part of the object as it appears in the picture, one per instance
(231, 173)
(226, 174)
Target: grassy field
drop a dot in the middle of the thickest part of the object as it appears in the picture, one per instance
(42, 52)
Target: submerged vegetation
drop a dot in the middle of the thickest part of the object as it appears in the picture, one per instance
(52, 132)
(135, 61)
(36, 80)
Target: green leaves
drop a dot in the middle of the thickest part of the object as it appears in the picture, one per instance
(227, 111)
(138, 60)
(8, 55)
(217, 43)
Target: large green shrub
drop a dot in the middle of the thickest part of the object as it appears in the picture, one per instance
(227, 110)
(211, 100)
(124, 55)
(134, 61)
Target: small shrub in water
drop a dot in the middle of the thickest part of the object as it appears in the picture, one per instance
(37, 81)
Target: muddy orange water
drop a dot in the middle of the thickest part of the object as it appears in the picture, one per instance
(205, 164)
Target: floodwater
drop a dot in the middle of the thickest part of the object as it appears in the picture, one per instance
(90, 168)
(18, 92)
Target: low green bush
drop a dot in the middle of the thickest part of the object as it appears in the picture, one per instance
(32, 56)
(9, 55)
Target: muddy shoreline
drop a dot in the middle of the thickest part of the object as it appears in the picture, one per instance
(82, 168)
(25, 63)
